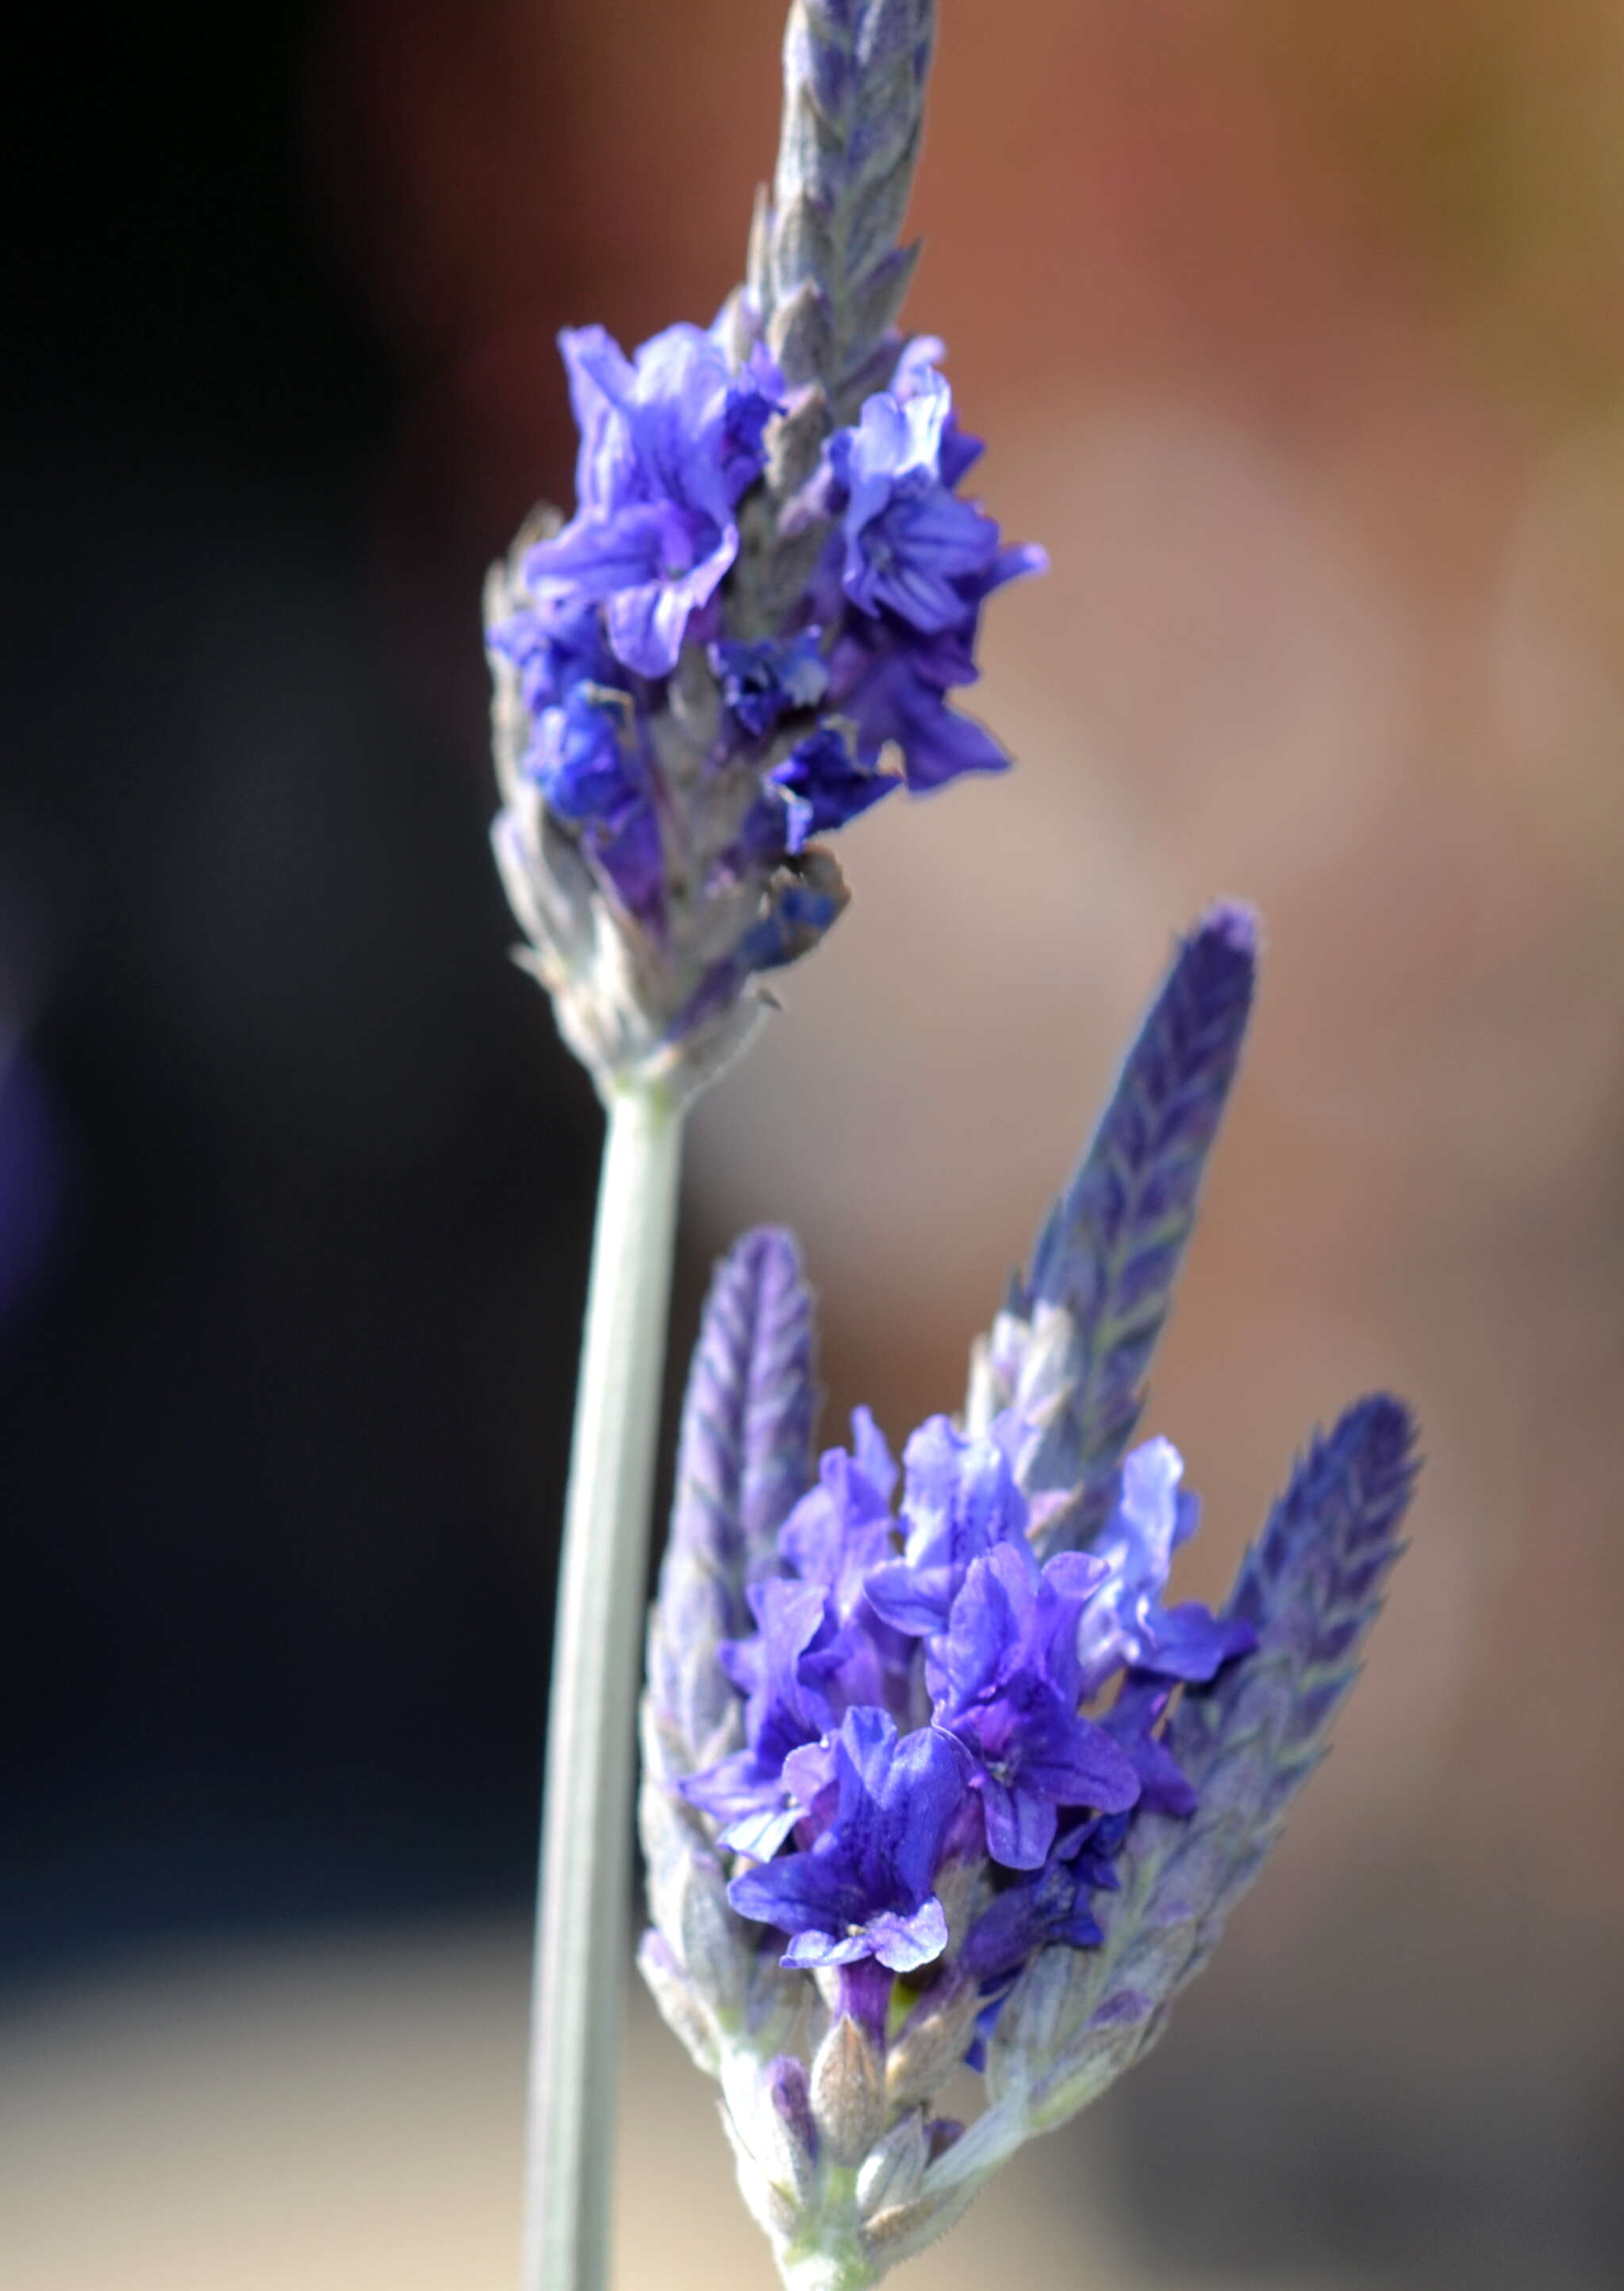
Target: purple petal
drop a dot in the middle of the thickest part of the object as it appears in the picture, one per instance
(905, 1942)
(810, 1948)
(759, 1835)
(1075, 1575)
(984, 1625)
(914, 557)
(1077, 1762)
(874, 1455)
(908, 1599)
(1190, 1642)
(1020, 1824)
(601, 383)
(923, 1790)
(803, 1892)
(599, 553)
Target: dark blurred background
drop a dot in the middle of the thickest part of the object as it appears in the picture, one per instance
(1298, 336)
(295, 1180)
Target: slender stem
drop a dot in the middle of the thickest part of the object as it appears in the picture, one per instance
(586, 1833)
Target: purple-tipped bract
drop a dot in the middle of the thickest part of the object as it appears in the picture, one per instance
(744, 1458)
(1111, 1247)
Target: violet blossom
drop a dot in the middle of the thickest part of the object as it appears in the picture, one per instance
(746, 634)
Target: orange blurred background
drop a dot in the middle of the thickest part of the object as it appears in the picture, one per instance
(1297, 338)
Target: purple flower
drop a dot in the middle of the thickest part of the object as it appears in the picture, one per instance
(556, 644)
(911, 545)
(1050, 1904)
(836, 1537)
(957, 451)
(769, 555)
(818, 1649)
(1134, 1720)
(893, 682)
(754, 395)
(1125, 1624)
(669, 441)
(763, 682)
(1006, 1683)
(960, 1501)
(918, 563)
(861, 590)
(824, 786)
(787, 1707)
(841, 1526)
(864, 1889)
(581, 760)
(983, 1703)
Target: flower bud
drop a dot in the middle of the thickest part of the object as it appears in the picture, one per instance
(848, 2091)
(893, 2170)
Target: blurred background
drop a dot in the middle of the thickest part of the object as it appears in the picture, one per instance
(1299, 337)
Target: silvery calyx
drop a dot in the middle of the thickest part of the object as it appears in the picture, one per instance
(747, 633)
(935, 1772)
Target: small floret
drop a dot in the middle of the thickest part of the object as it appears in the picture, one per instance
(865, 1887)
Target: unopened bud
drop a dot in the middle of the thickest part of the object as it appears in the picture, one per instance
(847, 2093)
(930, 2045)
(894, 2169)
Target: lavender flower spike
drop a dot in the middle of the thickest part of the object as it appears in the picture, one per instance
(744, 1458)
(769, 585)
(827, 276)
(1068, 1353)
(973, 1791)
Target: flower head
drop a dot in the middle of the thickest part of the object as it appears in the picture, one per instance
(964, 1639)
(768, 588)
(958, 1782)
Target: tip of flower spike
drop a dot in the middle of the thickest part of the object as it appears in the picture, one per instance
(1379, 1436)
(1132, 1202)
(766, 1250)
(1337, 1525)
(1231, 924)
(1216, 966)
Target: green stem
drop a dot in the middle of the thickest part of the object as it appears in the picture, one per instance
(586, 1832)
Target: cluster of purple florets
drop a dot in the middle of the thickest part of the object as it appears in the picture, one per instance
(673, 440)
(932, 1709)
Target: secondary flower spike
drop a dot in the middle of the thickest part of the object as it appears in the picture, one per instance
(747, 633)
(938, 1772)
